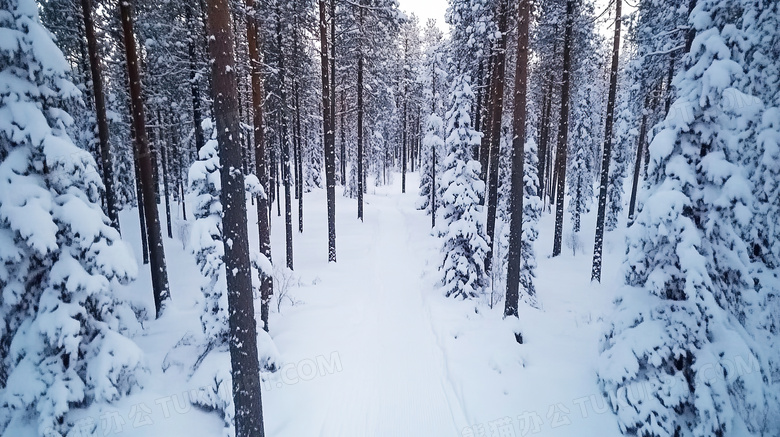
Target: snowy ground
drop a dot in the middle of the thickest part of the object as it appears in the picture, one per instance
(371, 348)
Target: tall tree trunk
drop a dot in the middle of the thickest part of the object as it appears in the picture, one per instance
(165, 168)
(343, 160)
(141, 215)
(285, 146)
(595, 274)
(298, 157)
(100, 112)
(405, 116)
(197, 116)
(544, 135)
(497, 106)
(563, 131)
(261, 169)
(640, 145)
(433, 148)
(327, 128)
(243, 327)
(484, 144)
(514, 257)
(360, 129)
(156, 250)
(179, 170)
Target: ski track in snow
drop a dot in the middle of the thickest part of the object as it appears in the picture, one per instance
(392, 383)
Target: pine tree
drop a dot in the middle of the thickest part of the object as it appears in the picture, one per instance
(688, 271)
(63, 342)
(460, 224)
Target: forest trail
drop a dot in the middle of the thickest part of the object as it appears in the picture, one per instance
(393, 378)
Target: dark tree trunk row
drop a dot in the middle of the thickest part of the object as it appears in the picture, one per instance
(106, 160)
(563, 132)
(144, 160)
(497, 107)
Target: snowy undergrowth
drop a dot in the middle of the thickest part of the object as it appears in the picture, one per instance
(547, 385)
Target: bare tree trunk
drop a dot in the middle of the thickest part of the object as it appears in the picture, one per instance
(544, 135)
(261, 169)
(165, 168)
(360, 184)
(141, 216)
(563, 131)
(243, 327)
(484, 144)
(343, 161)
(602, 206)
(497, 106)
(518, 159)
(100, 112)
(433, 148)
(298, 157)
(638, 160)
(360, 180)
(285, 146)
(405, 116)
(327, 128)
(156, 250)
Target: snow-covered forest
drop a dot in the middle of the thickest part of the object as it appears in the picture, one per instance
(329, 218)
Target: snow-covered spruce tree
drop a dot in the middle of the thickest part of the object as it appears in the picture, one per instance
(211, 372)
(351, 189)
(580, 183)
(625, 138)
(667, 360)
(431, 150)
(461, 218)
(532, 209)
(63, 327)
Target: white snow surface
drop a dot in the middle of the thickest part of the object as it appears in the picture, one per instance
(370, 347)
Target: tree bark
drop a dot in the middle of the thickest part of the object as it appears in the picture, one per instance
(563, 131)
(343, 160)
(484, 144)
(285, 146)
(156, 250)
(261, 169)
(518, 157)
(141, 216)
(360, 121)
(405, 116)
(544, 135)
(298, 157)
(166, 186)
(433, 148)
(327, 127)
(243, 327)
(595, 274)
(100, 112)
(497, 106)
(640, 145)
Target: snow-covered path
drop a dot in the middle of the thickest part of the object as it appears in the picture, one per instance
(393, 380)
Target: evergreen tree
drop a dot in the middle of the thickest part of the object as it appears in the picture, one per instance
(688, 271)
(63, 342)
(460, 224)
